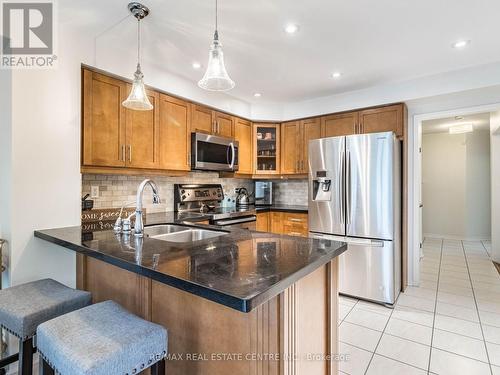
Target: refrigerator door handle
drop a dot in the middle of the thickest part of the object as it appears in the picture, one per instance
(348, 188)
(340, 190)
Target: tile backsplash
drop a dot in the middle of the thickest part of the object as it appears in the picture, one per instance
(114, 190)
(293, 192)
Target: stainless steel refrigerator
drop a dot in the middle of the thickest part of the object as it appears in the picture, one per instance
(355, 196)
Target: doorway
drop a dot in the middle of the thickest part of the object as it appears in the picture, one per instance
(416, 203)
(455, 183)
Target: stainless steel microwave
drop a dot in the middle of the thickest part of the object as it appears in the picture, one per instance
(213, 153)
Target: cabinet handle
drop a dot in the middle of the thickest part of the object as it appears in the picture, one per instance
(130, 153)
(122, 154)
(295, 234)
(218, 127)
(296, 220)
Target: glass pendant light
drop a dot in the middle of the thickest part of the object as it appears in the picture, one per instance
(216, 77)
(138, 99)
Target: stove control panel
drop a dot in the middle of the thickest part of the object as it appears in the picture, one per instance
(185, 193)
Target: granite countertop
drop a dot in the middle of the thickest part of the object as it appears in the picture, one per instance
(241, 269)
(283, 208)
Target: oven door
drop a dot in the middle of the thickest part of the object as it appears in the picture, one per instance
(212, 153)
(245, 222)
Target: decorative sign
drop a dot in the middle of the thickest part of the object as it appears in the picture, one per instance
(107, 214)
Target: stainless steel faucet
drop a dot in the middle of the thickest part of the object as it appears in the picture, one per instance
(139, 223)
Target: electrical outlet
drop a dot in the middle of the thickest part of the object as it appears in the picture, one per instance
(94, 191)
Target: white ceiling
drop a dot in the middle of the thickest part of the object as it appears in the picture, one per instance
(479, 121)
(370, 42)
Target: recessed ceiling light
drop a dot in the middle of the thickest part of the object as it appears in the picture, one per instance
(336, 75)
(459, 44)
(459, 129)
(196, 65)
(257, 94)
(459, 117)
(291, 28)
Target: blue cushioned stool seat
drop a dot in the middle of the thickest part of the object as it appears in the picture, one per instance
(24, 307)
(102, 339)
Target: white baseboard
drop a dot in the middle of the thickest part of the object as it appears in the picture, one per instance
(451, 237)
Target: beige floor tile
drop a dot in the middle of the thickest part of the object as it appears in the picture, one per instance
(457, 311)
(416, 303)
(458, 344)
(444, 363)
(405, 351)
(367, 319)
(374, 307)
(347, 300)
(490, 318)
(494, 353)
(410, 331)
(410, 314)
(358, 359)
(426, 284)
(454, 281)
(344, 310)
(459, 326)
(362, 337)
(385, 366)
(420, 292)
(453, 289)
(428, 276)
(454, 299)
(485, 305)
(491, 334)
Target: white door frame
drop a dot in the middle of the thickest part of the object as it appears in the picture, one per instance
(415, 181)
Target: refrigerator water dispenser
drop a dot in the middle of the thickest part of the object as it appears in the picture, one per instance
(322, 187)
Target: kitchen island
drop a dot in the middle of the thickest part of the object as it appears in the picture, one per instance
(240, 303)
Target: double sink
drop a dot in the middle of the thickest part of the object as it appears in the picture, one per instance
(179, 233)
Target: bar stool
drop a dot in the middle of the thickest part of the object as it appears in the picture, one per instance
(24, 307)
(102, 339)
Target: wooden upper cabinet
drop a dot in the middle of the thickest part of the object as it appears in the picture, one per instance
(338, 125)
(202, 119)
(243, 131)
(382, 119)
(311, 129)
(103, 130)
(174, 134)
(266, 146)
(142, 135)
(224, 126)
(290, 147)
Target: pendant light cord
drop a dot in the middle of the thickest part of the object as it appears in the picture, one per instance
(216, 12)
(138, 41)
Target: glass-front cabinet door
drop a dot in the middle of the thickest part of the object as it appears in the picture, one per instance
(267, 148)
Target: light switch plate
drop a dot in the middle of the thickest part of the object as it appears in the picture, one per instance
(94, 191)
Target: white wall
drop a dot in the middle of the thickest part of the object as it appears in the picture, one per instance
(45, 155)
(5, 162)
(495, 184)
(456, 185)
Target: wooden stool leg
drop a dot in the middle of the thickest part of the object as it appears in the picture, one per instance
(25, 365)
(45, 369)
(158, 368)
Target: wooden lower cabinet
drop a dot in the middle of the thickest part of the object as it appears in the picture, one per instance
(276, 338)
(263, 219)
(289, 223)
